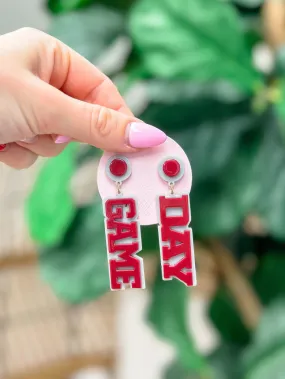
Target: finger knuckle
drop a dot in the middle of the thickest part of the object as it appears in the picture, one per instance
(101, 121)
(27, 30)
(34, 36)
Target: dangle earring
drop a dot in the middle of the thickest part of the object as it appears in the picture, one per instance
(122, 229)
(175, 236)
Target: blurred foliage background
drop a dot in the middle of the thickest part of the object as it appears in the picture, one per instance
(189, 68)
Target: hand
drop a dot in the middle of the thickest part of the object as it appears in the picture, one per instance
(50, 95)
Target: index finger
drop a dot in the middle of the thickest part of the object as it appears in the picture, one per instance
(77, 77)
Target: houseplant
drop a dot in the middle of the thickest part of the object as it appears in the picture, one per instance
(190, 66)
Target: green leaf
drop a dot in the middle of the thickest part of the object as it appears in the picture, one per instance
(268, 283)
(122, 5)
(271, 367)
(58, 6)
(220, 204)
(184, 40)
(269, 170)
(225, 316)
(225, 362)
(176, 371)
(265, 357)
(149, 236)
(207, 120)
(86, 30)
(77, 268)
(280, 65)
(268, 278)
(279, 107)
(249, 3)
(179, 105)
(50, 208)
(215, 126)
(167, 314)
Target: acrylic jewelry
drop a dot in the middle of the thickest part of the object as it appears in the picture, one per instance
(175, 236)
(122, 229)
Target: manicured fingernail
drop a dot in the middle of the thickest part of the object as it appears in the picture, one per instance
(30, 140)
(61, 139)
(3, 147)
(142, 135)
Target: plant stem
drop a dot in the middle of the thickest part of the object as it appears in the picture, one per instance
(273, 15)
(244, 295)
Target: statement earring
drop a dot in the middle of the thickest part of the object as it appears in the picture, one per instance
(122, 230)
(175, 236)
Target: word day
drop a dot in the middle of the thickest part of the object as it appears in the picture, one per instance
(176, 240)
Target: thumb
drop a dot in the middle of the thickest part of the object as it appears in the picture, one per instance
(102, 127)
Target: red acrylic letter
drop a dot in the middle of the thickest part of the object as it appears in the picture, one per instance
(123, 243)
(175, 237)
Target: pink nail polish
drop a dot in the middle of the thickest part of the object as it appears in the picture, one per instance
(142, 135)
(61, 139)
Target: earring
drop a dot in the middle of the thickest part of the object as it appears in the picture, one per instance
(122, 229)
(175, 236)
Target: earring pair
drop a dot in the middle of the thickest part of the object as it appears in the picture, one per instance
(123, 231)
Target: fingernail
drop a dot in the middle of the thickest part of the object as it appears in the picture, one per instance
(142, 135)
(61, 139)
(29, 140)
(3, 147)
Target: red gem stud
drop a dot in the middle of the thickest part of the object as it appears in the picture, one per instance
(3, 146)
(171, 168)
(118, 167)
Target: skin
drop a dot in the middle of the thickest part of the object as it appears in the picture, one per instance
(48, 90)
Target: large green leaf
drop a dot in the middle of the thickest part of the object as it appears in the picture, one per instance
(279, 104)
(268, 283)
(122, 5)
(50, 208)
(179, 105)
(224, 363)
(88, 31)
(226, 318)
(167, 314)
(280, 65)
(58, 6)
(269, 170)
(249, 3)
(237, 158)
(265, 357)
(229, 148)
(268, 278)
(207, 120)
(220, 204)
(215, 126)
(176, 371)
(77, 268)
(185, 40)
